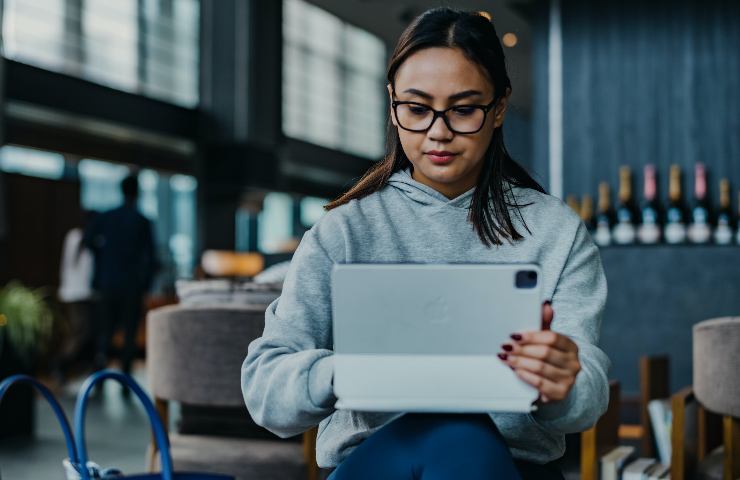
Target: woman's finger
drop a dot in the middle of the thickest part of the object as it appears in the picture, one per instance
(554, 391)
(556, 357)
(545, 337)
(539, 367)
(547, 315)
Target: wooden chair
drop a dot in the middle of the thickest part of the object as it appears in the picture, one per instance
(602, 437)
(309, 454)
(705, 428)
(702, 443)
(654, 384)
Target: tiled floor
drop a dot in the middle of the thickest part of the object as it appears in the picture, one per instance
(117, 435)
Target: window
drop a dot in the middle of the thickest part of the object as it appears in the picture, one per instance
(275, 222)
(34, 163)
(333, 82)
(280, 224)
(33, 31)
(149, 194)
(182, 240)
(100, 184)
(312, 209)
(141, 46)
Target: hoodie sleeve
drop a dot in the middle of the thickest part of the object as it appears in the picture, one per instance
(578, 303)
(287, 375)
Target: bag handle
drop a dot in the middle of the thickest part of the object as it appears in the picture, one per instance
(58, 411)
(160, 436)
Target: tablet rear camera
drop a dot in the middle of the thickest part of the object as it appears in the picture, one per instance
(526, 279)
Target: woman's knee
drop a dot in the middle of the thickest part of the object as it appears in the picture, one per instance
(464, 446)
(468, 445)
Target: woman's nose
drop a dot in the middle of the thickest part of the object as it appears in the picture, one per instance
(439, 130)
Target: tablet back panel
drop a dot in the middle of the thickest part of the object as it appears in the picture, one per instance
(422, 337)
(451, 309)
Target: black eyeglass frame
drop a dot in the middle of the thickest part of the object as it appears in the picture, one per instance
(442, 113)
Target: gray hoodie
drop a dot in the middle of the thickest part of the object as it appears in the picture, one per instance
(287, 375)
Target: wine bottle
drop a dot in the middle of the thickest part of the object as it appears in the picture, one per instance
(723, 230)
(675, 224)
(604, 217)
(649, 230)
(624, 230)
(587, 212)
(699, 230)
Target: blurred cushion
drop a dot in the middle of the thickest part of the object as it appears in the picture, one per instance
(230, 292)
(716, 359)
(195, 352)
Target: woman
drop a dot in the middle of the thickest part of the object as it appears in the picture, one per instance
(447, 191)
(76, 293)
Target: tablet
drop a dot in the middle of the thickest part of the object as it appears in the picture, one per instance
(424, 337)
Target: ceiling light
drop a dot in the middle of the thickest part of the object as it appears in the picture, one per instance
(510, 39)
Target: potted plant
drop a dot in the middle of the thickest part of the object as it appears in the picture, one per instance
(26, 323)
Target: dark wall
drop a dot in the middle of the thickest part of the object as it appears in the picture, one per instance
(656, 295)
(40, 213)
(644, 82)
(518, 136)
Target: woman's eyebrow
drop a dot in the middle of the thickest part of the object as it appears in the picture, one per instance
(455, 96)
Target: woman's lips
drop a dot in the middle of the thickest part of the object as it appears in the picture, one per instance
(441, 158)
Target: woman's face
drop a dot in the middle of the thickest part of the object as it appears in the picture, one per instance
(441, 78)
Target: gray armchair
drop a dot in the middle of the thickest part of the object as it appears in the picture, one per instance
(194, 356)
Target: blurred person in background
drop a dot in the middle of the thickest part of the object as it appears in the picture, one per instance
(125, 263)
(76, 293)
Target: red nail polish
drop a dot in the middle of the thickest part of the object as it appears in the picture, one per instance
(502, 356)
(507, 347)
(516, 336)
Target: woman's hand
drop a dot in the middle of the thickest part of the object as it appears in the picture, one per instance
(545, 359)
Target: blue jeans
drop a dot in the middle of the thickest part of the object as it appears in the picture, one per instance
(437, 447)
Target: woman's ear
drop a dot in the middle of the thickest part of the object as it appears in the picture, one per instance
(390, 104)
(500, 111)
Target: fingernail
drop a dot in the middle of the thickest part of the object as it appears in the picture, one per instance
(516, 336)
(507, 347)
(548, 302)
(502, 356)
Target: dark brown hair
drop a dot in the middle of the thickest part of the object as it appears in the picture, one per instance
(476, 37)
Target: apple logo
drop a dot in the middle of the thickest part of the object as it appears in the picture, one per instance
(437, 311)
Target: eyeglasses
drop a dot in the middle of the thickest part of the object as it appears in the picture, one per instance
(463, 119)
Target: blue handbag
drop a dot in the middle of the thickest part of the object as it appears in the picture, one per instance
(76, 447)
(72, 459)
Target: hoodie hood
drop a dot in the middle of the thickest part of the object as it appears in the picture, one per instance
(424, 194)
